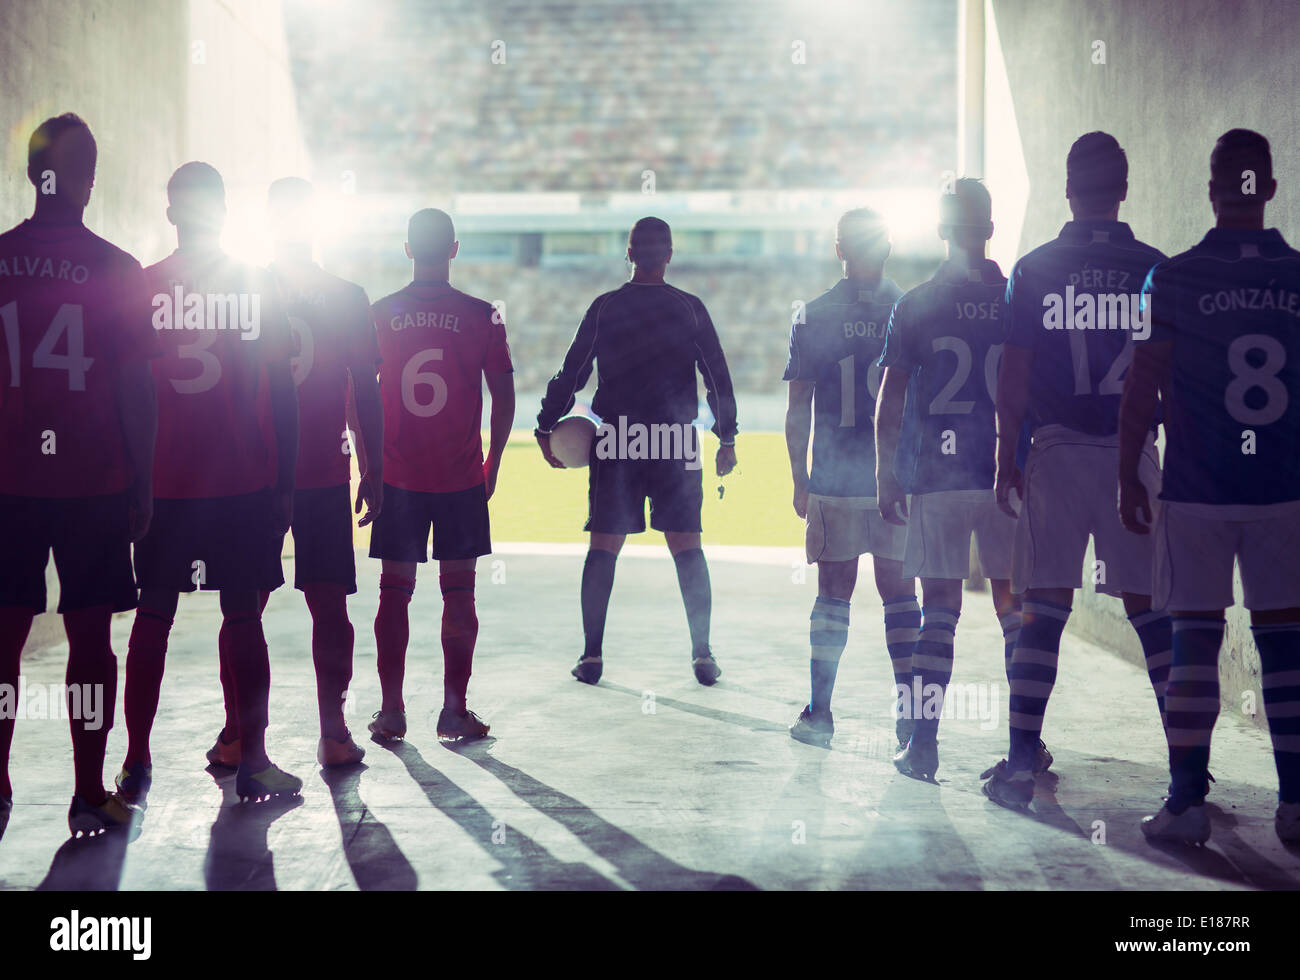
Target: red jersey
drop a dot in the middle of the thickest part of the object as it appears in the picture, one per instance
(436, 343)
(73, 309)
(332, 333)
(220, 324)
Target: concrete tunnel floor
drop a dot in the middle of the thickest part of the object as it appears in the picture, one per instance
(647, 781)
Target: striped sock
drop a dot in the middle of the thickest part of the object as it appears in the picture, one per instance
(828, 632)
(1279, 662)
(1155, 633)
(902, 628)
(932, 669)
(1191, 708)
(1033, 673)
(1010, 624)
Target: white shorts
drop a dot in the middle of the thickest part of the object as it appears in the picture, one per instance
(1197, 543)
(845, 528)
(1071, 493)
(939, 529)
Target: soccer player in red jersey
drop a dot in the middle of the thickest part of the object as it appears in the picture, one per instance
(77, 418)
(223, 484)
(335, 346)
(437, 346)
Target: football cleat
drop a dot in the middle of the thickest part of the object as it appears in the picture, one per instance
(224, 755)
(706, 669)
(920, 760)
(114, 813)
(1286, 822)
(1013, 790)
(813, 729)
(453, 727)
(339, 751)
(903, 731)
(388, 724)
(1042, 762)
(1192, 826)
(588, 669)
(271, 781)
(134, 781)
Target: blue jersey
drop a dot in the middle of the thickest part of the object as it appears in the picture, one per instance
(1076, 303)
(1230, 306)
(947, 334)
(835, 344)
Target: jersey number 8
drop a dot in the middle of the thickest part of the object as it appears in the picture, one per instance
(1246, 376)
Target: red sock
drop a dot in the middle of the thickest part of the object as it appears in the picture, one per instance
(459, 631)
(250, 668)
(331, 652)
(92, 695)
(15, 624)
(230, 730)
(146, 654)
(392, 631)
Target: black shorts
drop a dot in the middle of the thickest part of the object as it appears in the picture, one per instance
(91, 541)
(617, 490)
(322, 538)
(459, 521)
(233, 538)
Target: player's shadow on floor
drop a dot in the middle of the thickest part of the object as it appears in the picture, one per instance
(713, 714)
(525, 864)
(86, 864)
(238, 857)
(1227, 857)
(638, 864)
(377, 863)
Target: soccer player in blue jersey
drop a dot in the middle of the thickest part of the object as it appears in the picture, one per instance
(1074, 309)
(945, 338)
(835, 341)
(1225, 346)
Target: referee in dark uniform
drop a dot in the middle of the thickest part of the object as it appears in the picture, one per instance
(648, 338)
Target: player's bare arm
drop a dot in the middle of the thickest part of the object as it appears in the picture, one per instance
(1012, 407)
(890, 498)
(368, 425)
(501, 389)
(798, 431)
(138, 414)
(1148, 375)
(284, 421)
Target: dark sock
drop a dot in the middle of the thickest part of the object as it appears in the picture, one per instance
(251, 667)
(146, 656)
(1033, 674)
(92, 696)
(15, 624)
(459, 633)
(828, 633)
(932, 666)
(1279, 662)
(597, 584)
(392, 633)
(332, 639)
(1010, 623)
(1155, 633)
(1191, 708)
(902, 627)
(697, 596)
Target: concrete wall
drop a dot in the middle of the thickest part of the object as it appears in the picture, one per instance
(1175, 76)
(160, 82)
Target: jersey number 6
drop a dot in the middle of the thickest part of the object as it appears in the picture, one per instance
(413, 377)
